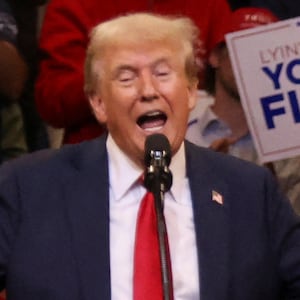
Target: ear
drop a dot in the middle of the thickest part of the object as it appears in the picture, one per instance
(213, 58)
(98, 107)
(193, 94)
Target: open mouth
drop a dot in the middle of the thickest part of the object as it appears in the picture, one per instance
(152, 121)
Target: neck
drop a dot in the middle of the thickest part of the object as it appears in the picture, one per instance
(230, 111)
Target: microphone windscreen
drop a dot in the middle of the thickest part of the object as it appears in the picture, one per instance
(157, 142)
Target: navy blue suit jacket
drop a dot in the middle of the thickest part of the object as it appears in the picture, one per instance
(54, 227)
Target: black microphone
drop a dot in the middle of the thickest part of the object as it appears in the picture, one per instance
(157, 161)
(158, 180)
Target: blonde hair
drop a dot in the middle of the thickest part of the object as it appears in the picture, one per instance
(134, 29)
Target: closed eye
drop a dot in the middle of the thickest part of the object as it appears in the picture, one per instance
(162, 70)
(126, 76)
(163, 73)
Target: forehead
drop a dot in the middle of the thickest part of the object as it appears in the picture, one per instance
(142, 55)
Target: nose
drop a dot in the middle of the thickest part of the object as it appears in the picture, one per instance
(149, 91)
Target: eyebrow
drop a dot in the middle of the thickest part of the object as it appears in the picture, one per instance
(161, 60)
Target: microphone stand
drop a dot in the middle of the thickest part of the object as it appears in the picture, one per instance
(158, 180)
(158, 190)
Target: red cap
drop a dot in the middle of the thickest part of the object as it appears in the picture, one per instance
(248, 17)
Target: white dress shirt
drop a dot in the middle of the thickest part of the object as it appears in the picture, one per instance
(125, 197)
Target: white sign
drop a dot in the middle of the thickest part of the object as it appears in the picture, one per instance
(266, 64)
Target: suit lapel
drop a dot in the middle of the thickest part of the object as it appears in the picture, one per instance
(211, 224)
(87, 196)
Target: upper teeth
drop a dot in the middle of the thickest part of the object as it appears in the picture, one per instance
(154, 113)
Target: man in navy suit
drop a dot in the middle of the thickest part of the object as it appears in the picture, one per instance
(67, 217)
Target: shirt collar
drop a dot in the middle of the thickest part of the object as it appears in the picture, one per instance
(123, 173)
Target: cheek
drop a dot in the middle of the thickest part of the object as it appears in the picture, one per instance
(123, 95)
(119, 104)
(172, 90)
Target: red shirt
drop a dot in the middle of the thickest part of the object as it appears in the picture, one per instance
(59, 89)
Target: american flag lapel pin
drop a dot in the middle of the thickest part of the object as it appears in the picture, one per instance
(217, 197)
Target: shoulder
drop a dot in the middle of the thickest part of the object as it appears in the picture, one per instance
(56, 162)
(222, 165)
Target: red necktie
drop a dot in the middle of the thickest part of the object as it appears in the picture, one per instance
(147, 280)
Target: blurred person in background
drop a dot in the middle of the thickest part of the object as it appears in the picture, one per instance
(26, 15)
(59, 96)
(13, 76)
(218, 120)
(283, 9)
(21, 129)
